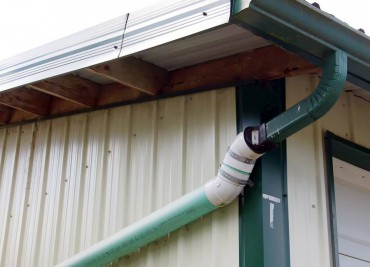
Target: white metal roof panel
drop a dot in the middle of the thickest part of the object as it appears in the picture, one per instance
(91, 46)
(122, 36)
(218, 43)
(171, 21)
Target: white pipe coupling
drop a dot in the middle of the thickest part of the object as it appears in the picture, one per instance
(233, 173)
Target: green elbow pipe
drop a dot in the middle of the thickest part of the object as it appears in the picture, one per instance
(334, 72)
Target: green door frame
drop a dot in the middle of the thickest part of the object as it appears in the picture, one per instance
(264, 238)
(352, 153)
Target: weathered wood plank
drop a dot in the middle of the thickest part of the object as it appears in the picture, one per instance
(133, 72)
(18, 116)
(263, 64)
(60, 106)
(117, 93)
(5, 114)
(27, 100)
(71, 88)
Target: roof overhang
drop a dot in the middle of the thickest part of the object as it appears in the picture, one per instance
(307, 31)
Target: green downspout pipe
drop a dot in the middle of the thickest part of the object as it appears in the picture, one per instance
(314, 106)
(233, 174)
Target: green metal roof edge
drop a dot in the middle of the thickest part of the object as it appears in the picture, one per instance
(307, 31)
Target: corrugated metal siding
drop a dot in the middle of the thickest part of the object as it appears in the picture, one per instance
(308, 213)
(70, 182)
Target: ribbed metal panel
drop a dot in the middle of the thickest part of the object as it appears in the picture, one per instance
(307, 192)
(70, 182)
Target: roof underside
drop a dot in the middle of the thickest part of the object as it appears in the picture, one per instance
(174, 48)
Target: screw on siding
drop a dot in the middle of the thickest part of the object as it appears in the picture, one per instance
(11, 216)
(205, 14)
(28, 205)
(134, 135)
(66, 180)
(363, 176)
(115, 47)
(187, 228)
(161, 117)
(313, 206)
(87, 166)
(46, 193)
(109, 151)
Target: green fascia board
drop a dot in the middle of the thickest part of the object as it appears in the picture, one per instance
(307, 31)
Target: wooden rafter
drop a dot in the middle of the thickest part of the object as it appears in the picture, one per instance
(263, 64)
(5, 114)
(71, 88)
(26, 100)
(134, 79)
(116, 93)
(133, 72)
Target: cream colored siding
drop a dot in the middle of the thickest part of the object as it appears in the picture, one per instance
(69, 182)
(308, 212)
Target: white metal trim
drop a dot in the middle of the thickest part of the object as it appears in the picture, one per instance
(141, 30)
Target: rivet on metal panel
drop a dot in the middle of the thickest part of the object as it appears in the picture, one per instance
(87, 166)
(46, 193)
(109, 151)
(115, 47)
(66, 180)
(313, 206)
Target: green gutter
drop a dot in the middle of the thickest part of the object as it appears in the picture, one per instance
(307, 31)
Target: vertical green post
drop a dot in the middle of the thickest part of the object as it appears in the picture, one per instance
(264, 238)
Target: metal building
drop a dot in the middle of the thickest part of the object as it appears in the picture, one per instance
(128, 118)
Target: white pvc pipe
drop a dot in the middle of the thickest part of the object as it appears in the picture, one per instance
(233, 173)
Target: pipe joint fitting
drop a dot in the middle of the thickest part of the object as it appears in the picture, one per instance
(233, 174)
(256, 139)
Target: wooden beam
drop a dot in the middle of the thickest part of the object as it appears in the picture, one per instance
(133, 72)
(118, 93)
(5, 114)
(60, 106)
(262, 64)
(21, 116)
(26, 100)
(71, 88)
